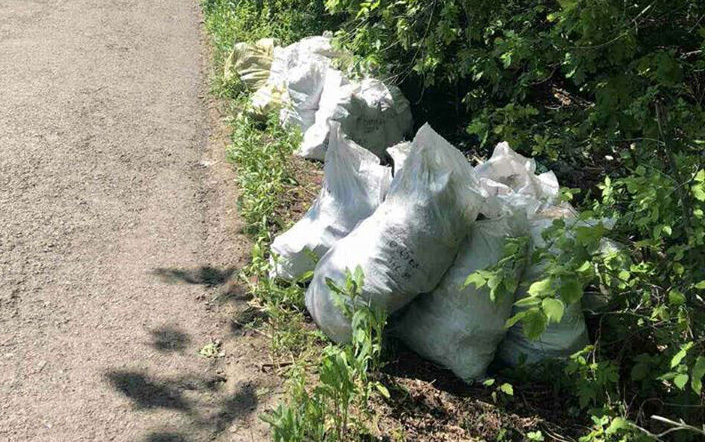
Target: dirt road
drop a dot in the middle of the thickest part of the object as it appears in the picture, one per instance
(118, 236)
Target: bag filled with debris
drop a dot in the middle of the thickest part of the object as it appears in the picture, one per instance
(398, 154)
(560, 339)
(509, 173)
(511, 180)
(272, 96)
(295, 81)
(354, 185)
(309, 62)
(373, 114)
(459, 326)
(407, 245)
(251, 63)
(376, 115)
(336, 88)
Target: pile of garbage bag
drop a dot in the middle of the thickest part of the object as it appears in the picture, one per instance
(415, 216)
(303, 84)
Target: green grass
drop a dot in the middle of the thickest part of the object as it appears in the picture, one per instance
(264, 172)
(261, 154)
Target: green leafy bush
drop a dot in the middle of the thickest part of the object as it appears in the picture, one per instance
(562, 78)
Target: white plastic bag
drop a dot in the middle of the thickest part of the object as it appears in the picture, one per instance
(518, 173)
(398, 153)
(354, 186)
(406, 246)
(560, 339)
(375, 115)
(314, 46)
(300, 66)
(251, 63)
(315, 142)
(371, 113)
(460, 328)
(304, 86)
(308, 64)
(511, 181)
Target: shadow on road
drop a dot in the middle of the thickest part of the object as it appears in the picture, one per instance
(169, 338)
(146, 393)
(229, 289)
(209, 409)
(166, 437)
(204, 275)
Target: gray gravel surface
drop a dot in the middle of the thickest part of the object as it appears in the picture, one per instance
(118, 235)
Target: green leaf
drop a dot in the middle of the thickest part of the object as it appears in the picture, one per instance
(306, 276)
(542, 287)
(553, 308)
(676, 298)
(493, 283)
(667, 376)
(534, 323)
(681, 354)
(584, 267)
(333, 286)
(570, 290)
(528, 302)
(382, 390)
(697, 374)
(618, 424)
(698, 192)
(640, 371)
(680, 380)
(507, 389)
(359, 277)
(488, 382)
(535, 436)
(700, 285)
(475, 278)
(514, 319)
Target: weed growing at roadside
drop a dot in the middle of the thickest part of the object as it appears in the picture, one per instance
(261, 153)
(264, 173)
(337, 407)
(211, 350)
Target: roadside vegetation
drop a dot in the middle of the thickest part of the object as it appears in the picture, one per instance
(607, 94)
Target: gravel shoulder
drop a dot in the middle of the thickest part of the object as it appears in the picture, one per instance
(119, 238)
